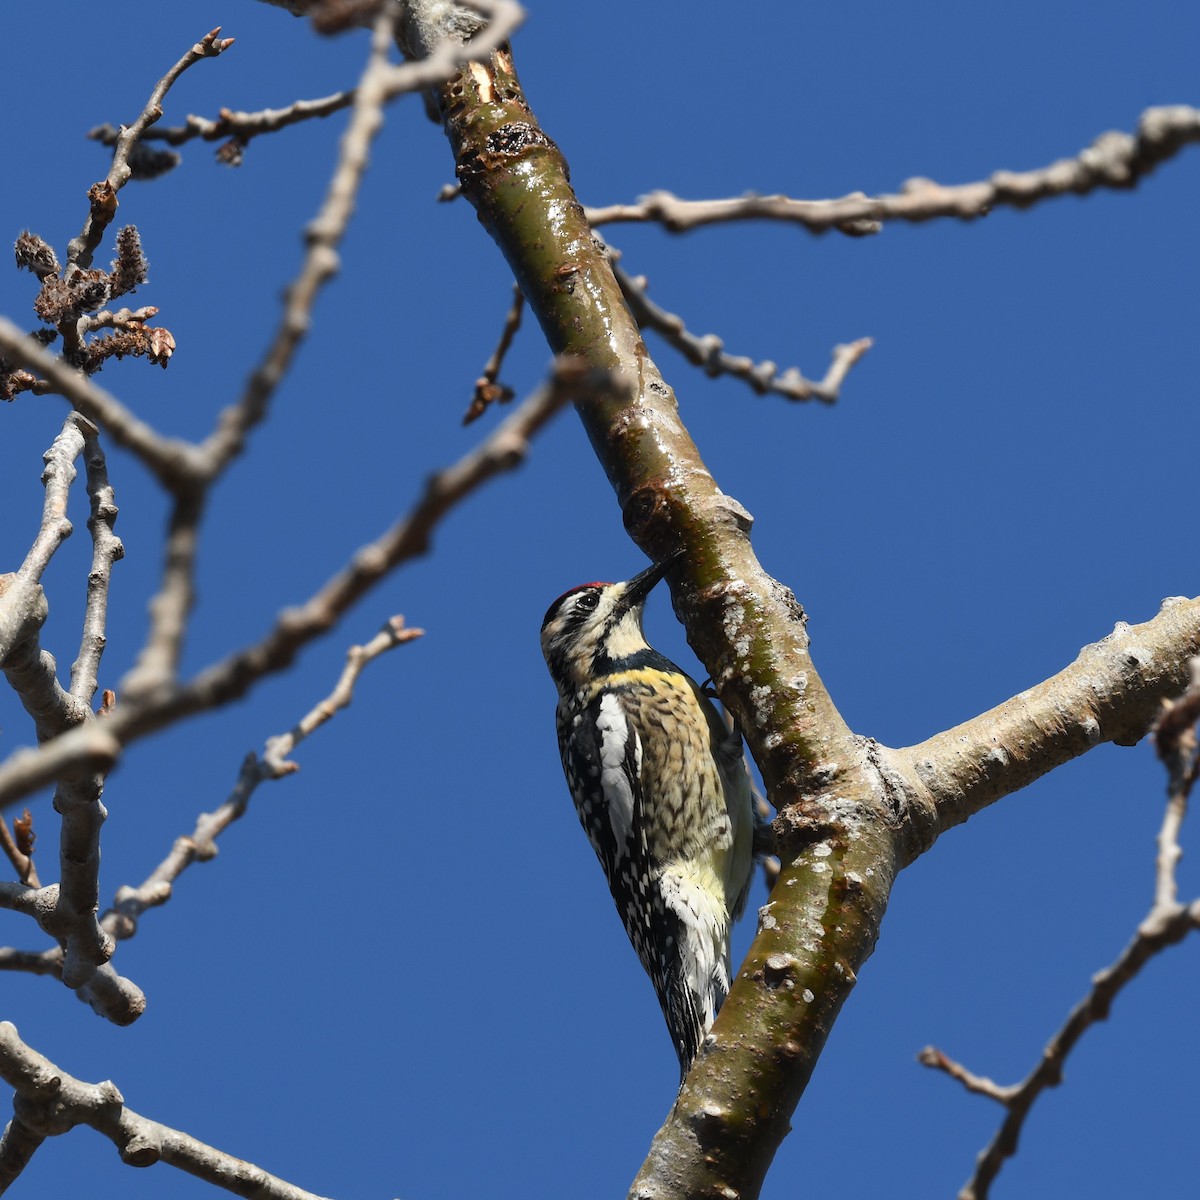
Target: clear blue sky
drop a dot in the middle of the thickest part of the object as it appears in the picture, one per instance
(402, 976)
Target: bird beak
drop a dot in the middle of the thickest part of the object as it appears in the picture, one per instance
(642, 584)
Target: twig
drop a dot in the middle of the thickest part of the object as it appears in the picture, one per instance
(1166, 923)
(487, 390)
(708, 351)
(981, 1085)
(121, 921)
(106, 549)
(1113, 160)
(103, 195)
(49, 1102)
(239, 127)
(158, 662)
(323, 235)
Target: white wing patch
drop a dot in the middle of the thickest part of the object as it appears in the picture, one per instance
(615, 733)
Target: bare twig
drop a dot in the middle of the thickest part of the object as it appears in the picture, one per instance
(103, 195)
(1113, 160)
(239, 127)
(981, 1085)
(1166, 923)
(321, 262)
(106, 549)
(708, 351)
(503, 450)
(487, 390)
(121, 920)
(49, 1102)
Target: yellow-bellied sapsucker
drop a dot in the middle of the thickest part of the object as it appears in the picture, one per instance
(661, 787)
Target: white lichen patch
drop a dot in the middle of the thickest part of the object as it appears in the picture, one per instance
(759, 697)
(808, 996)
(998, 756)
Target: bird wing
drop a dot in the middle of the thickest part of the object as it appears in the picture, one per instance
(668, 911)
(602, 758)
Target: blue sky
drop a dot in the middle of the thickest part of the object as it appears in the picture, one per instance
(402, 975)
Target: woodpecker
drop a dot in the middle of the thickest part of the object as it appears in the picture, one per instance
(661, 788)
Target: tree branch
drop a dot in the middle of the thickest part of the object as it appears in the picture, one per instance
(1113, 160)
(49, 1102)
(708, 351)
(746, 628)
(96, 746)
(1167, 923)
(1111, 693)
(106, 549)
(121, 921)
(487, 390)
(837, 828)
(240, 127)
(103, 195)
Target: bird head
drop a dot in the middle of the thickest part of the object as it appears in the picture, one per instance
(595, 626)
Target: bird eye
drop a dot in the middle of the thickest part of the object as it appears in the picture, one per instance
(588, 601)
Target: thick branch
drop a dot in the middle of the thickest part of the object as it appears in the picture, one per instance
(839, 848)
(1111, 693)
(748, 630)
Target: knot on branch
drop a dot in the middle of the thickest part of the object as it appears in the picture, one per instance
(44, 1115)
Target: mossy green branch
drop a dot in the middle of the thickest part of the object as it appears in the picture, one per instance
(747, 629)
